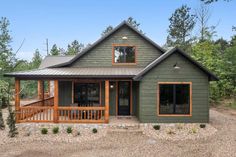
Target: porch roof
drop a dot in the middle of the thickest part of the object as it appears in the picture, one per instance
(91, 72)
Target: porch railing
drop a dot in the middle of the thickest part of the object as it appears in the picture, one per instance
(81, 114)
(36, 114)
(38, 111)
(44, 111)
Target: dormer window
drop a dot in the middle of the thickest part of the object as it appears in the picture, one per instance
(124, 54)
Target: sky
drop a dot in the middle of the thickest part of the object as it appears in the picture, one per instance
(62, 21)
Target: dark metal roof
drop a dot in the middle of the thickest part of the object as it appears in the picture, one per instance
(54, 60)
(77, 72)
(124, 23)
(157, 61)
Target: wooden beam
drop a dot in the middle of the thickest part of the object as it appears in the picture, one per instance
(40, 90)
(56, 101)
(49, 90)
(106, 101)
(17, 99)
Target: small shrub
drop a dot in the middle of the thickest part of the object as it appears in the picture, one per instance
(69, 130)
(94, 130)
(157, 127)
(55, 130)
(193, 131)
(44, 131)
(170, 132)
(202, 125)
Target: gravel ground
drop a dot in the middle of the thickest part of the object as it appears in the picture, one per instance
(221, 144)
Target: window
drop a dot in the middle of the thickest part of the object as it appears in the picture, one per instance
(175, 98)
(87, 94)
(124, 54)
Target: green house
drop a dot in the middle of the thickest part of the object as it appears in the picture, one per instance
(122, 74)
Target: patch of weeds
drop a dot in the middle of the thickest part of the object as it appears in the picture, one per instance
(202, 125)
(157, 127)
(170, 132)
(44, 131)
(193, 131)
(232, 105)
(69, 130)
(94, 130)
(55, 130)
(179, 126)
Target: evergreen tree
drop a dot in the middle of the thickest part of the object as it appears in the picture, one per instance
(107, 30)
(74, 48)
(11, 122)
(36, 60)
(182, 23)
(211, 1)
(130, 20)
(134, 23)
(54, 50)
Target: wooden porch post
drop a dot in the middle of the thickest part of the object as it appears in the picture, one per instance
(55, 113)
(40, 90)
(17, 98)
(106, 101)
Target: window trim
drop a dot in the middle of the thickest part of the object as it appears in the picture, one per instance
(173, 115)
(113, 54)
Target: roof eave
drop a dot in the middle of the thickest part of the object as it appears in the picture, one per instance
(138, 77)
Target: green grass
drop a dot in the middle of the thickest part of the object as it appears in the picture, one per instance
(232, 105)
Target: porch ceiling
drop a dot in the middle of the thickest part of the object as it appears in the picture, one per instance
(77, 72)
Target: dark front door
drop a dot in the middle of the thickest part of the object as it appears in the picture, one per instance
(123, 98)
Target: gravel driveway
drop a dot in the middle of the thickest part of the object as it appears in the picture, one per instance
(221, 144)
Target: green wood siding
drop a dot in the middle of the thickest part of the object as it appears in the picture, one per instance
(135, 98)
(65, 93)
(101, 55)
(165, 73)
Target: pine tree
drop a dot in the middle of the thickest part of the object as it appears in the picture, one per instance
(54, 50)
(182, 23)
(36, 60)
(11, 122)
(107, 30)
(74, 48)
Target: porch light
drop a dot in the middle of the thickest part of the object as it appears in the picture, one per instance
(176, 67)
(124, 38)
(111, 86)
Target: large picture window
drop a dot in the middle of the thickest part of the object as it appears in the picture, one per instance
(124, 54)
(174, 98)
(87, 94)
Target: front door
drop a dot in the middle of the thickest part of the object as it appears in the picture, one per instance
(124, 98)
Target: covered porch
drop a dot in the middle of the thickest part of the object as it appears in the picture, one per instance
(76, 101)
(47, 109)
